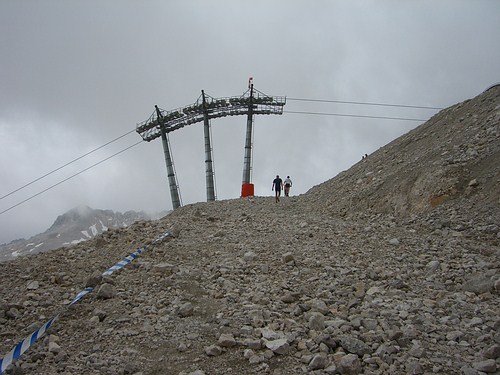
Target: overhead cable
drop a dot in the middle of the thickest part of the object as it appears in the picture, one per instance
(65, 165)
(363, 103)
(359, 116)
(70, 177)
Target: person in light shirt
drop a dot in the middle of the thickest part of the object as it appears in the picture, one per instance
(287, 185)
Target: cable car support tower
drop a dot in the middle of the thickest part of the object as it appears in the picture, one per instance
(162, 122)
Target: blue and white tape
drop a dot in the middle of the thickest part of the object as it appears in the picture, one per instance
(29, 341)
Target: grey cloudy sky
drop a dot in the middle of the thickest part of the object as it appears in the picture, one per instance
(77, 74)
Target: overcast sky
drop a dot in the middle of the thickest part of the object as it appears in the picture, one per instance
(76, 74)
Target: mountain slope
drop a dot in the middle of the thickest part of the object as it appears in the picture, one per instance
(77, 225)
(427, 166)
(392, 267)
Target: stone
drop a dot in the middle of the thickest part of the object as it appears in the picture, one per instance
(253, 343)
(279, 346)
(33, 285)
(106, 291)
(164, 269)
(493, 352)
(93, 280)
(432, 266)
(288, 258)
(226, 340)
(249, 256)
(466, 370)
(394, 241)
(374, 290)
(290, 297)
(349, 365)
(213, 350)
(413, 367)
(54, 347)
(479, 285)
(319, 361)
(318, 305)
(488, 366)
(317, 321)
(100, 313)
(13, 313)
(186, 309)
(355, 346)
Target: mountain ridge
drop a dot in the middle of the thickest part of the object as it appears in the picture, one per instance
(78, 224)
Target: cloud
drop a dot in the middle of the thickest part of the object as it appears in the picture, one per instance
(77, 75)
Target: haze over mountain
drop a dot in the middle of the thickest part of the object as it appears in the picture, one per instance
(77, 225)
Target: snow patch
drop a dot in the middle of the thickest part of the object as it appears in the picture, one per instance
(104, 227)
(93, 229)
(15, 254)
(85, 233)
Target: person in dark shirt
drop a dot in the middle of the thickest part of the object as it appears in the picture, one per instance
(277, 186)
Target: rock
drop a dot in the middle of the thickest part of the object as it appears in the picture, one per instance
(488, 366)
(355, 346)
(33, 285)
(279, 346)
(317, 322)
(186, 309)
(253, 343)
(106, 291)
(249, 256)
(349, 365)
(432, 266)
(54, 347)
(94, 280)
(290, 297)
(288, 258)
(479, 285)
(319, 361)
(101, 314)
(213, 350)
(164, 269)
(466, 370)
(394, 241)
(473, 183)
(493, 352)
(374, 290)
(131, 368)
(226, 340)
(318, 305)
(413, 367)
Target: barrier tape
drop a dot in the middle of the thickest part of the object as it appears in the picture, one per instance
(29, 341)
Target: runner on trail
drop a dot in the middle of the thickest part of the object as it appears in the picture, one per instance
(288, 185)
(277, 185)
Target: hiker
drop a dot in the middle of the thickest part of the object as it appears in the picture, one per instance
(288, 185)
(277, 185)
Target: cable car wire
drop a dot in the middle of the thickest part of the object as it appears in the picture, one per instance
(65, 165)
(363, 103)
(358, 116)
(70, 177)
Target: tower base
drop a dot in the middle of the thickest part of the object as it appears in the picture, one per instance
(247, 190)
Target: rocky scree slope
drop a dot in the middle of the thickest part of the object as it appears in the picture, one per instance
(354, 277)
